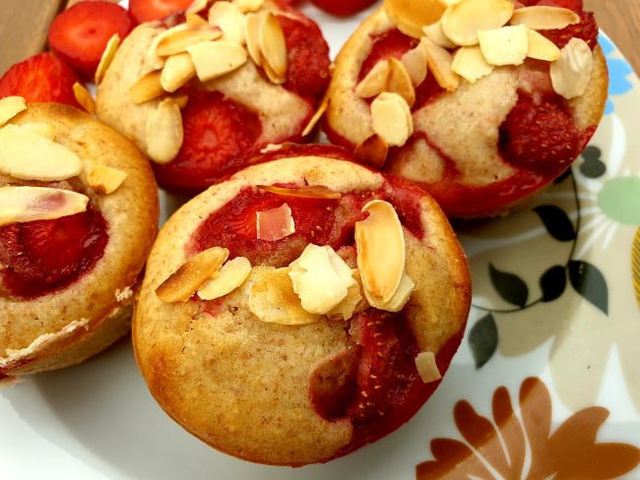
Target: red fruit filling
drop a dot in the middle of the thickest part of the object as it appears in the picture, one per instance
(575, 5)
(80, 33)
(149, 10)
(342, 8)
(41, 78)
(44, 256)
(586, 30)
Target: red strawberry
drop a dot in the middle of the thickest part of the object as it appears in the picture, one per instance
(539, 136)
(148, 10)
(219, 136)
(575, 5)
(80, 33)
(41, 78)
(389, 45)
(587, 30)
(342, 8)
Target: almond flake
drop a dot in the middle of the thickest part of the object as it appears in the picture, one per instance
(197, 6)
(505, 46)
(470, 64)
(29, 156)
(439, 62)
(153, 61)
(178, 70)
(541, 48)
(462, 21)
(43, 129)
(318, 115)
(228, 18)
(570, 75)
(320, 278)
(272, 299)
(372, 152)
(215, 59)
(193, 274)
(164, 133)
(107, 57)
(27, 204)
(177, 40)
(274, 48)
(147, 88)
(399, 299)
(181, 101)
(545, 18)
(375, 81)
(380, 250)
(84, 98)
(247, 6)
(231, 276)
(311, 191)
(252, 36)
(410, 16)
(436, 35)
(10, 107)
(427, 367)
(272, 147)
(399, 81)
(275, 224)
(105, 180)
(194, 20)
(352, 303)
(391, 119)
(415, 63)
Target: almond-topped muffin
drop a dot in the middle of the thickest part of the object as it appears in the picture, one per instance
(78, 215)
(203, 93)
(301, 309)
(483, 102)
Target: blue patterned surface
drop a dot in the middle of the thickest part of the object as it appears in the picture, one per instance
(619, 71)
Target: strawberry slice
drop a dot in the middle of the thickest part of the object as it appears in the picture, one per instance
(149, 10)
(80, 33)
(392, 44)
(41, 78)
(575, 5)
(342, 8)
(586, 30)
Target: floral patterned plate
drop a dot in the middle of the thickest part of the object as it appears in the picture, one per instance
(546, 384)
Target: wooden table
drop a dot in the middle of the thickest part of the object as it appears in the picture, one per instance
(24, 24)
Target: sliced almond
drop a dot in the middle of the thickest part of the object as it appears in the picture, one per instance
(470, 64)
(415, 63)
(391, 118)
(29, 156)
(164, 133)
(43, 129)
(399, 299)
(312, 191)
(107, 57)
(352, 303)
(272, 299)
(380, 250)
(541, 48)
(462, 21)
(105, 180)
(153, 61)
(570, 75)
(147, 88)
(427, 367)
(439, 62)
(410, 16)
(84, 98)
(399, 81)
(252, 36)
(10, 107)
(273, 47)
(193, 274)
(178, 70)
(247, 6)
(544, 18)
(231, 276)
(177, 40)
(275, 224)
(375, 81)
(505, 46)
(215, 59)
(181, 101)
(436, 35)
(194, 20)
(197, 6)
(27, 204)
(230, 20)
(373, 151)
(318, 115)
(320, 278)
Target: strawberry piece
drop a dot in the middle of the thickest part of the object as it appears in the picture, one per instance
(80, 33)
(587, 30)
(540, 136)
(219, 137)
(149, 10)
(41, 78)
(46, 255)
(342, 8)
(392, 44)
(575, 5)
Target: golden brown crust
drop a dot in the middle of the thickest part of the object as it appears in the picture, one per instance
(67, 326)
(240, 384)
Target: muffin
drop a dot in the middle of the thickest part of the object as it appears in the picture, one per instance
(301, 309)
(203, 93)
(78, 216)
(482, 102)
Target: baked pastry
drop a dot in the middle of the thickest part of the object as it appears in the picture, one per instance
(500, 112)
(277, 355)
(202, 97)
(78, 215)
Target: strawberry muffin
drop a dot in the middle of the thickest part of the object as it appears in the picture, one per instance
(301, 309)
(78, 215)
(483, 102)
(202, 93)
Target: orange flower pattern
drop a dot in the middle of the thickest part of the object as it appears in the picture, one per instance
(498, 450)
